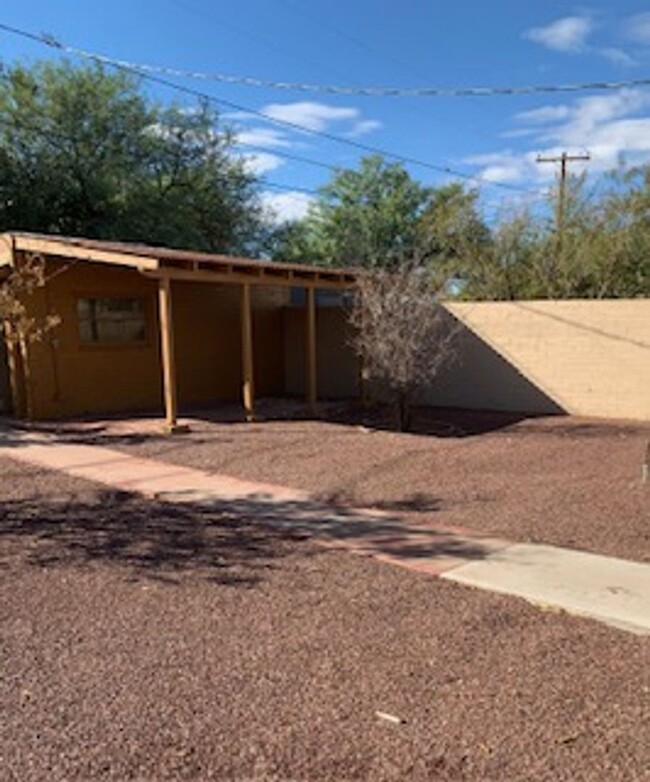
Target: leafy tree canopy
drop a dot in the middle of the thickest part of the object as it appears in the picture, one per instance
(365, 217)
(378, 217)
(84, 152)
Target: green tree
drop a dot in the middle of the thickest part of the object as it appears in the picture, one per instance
(602, 248)
(452, 235)
(451, 223)
(366, 217)
(84, 152)
(615, 252)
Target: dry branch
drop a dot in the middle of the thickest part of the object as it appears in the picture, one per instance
(402, 333)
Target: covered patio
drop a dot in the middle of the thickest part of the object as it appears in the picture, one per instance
(47, 379)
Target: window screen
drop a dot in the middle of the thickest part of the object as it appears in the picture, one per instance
(113, 320)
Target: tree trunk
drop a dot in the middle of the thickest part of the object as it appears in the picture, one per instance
(403, 406)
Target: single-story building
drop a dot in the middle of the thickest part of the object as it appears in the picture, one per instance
(143, 326)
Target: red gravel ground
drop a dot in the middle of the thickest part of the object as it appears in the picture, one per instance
(565, 481)
(145, 642)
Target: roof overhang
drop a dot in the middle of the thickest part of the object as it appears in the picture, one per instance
(6, 252)
(182, 265)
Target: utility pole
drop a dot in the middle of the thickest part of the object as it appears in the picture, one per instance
(564, 159)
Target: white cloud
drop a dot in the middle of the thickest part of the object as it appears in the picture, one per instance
(637, 28)
(320, 116)
(609, 127)
(544, 114)
(283, 207)
(617, 56)
(348, 121)
(365, 126)
(628, 138)
(259, 163)
(309, 114)
(263, 137)
(587, 115)
(568, 34)
(506, 166)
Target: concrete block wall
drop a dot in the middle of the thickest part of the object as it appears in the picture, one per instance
(582, 357)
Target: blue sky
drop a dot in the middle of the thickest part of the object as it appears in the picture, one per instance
(406, 43)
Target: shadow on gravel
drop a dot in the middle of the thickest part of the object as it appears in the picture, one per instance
(427, 421)
(419, 502)
(233, 542)
(16, 433)
(151, 539)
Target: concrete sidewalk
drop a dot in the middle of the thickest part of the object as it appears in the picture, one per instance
(610, 590)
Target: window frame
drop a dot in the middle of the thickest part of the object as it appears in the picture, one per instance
(113, 344)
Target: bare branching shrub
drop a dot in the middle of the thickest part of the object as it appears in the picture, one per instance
(402, 334)
(15, 291)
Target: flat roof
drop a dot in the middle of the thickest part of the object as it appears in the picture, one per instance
(184, 265)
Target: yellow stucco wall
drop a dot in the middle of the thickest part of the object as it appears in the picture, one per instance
(587, 358)
(207, 331)
(67, 378)
(337, 369)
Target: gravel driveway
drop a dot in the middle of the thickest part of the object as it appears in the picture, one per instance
(145, 642)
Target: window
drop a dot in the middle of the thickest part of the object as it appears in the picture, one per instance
(114, 320)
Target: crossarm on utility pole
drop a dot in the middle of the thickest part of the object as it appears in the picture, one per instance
(564, 159)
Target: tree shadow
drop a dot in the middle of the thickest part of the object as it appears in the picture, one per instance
(438, 422)
(17, 433)
(576, 428)
(234, 541)
(157, 540)
(419, 502)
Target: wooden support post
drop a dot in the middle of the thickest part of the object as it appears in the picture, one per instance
(248, 389)
(168, 358)
(311, 348)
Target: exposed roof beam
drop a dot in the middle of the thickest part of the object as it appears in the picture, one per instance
(295, 281)
(64, 249)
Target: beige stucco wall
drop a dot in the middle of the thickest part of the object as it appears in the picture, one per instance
(581, 357)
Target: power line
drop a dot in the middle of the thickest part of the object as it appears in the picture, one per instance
(247, 32)
(135, 69)
(235, 142)
(323, 24)
(339, 89)
(384, 92)
(287, 155)
(54, 134)
(289, 188)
